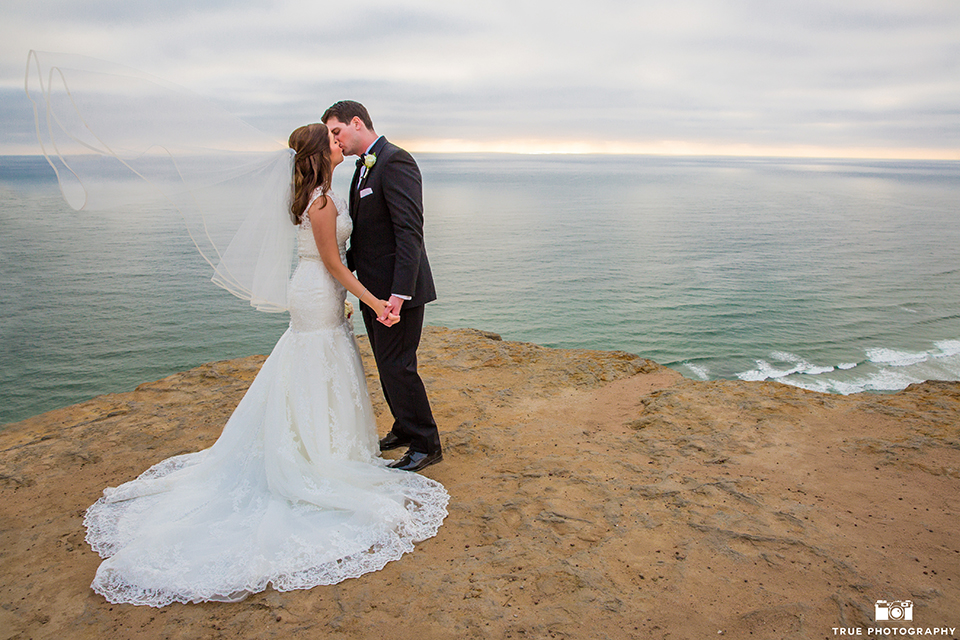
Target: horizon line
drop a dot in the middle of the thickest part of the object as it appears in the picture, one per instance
(668, 148)
(675, 148)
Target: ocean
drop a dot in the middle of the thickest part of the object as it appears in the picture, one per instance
(840, 276)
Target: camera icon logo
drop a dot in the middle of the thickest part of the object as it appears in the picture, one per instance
(894, 610)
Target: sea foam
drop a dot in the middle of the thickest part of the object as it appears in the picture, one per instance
(884, 369)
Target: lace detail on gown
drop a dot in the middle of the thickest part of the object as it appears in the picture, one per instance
(293, 493)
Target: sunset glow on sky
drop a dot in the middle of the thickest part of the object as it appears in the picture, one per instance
(859, 78)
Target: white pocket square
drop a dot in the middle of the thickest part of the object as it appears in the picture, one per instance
(365, 192)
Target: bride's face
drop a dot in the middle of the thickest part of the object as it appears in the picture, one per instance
(336, 153)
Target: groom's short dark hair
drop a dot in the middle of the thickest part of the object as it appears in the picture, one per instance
(346, 110)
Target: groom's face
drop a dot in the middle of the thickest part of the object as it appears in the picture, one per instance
(347, 135)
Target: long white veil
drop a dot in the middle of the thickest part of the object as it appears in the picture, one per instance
(117, 137)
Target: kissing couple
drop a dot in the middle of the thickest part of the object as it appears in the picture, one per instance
(293, 494)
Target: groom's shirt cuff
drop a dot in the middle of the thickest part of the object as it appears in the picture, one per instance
(402, 297)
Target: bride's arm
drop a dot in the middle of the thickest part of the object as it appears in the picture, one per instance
(323, 220)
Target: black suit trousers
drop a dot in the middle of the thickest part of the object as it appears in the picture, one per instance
(395, 350)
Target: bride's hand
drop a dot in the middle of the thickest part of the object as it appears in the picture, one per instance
(390, 320)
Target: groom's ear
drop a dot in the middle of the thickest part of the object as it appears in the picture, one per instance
(357, 123)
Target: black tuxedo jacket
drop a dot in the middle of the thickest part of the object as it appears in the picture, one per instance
(386, 246)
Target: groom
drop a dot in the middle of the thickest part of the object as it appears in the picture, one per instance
(387, 252)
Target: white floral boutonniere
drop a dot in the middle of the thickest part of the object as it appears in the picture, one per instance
(369, 160)
(347, 309)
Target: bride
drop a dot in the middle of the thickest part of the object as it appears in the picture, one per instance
(293, 494)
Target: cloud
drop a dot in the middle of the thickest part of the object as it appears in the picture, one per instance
(859, 74)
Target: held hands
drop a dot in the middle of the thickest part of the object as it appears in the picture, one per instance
(383, 309)
(392, 311)
(386, 315)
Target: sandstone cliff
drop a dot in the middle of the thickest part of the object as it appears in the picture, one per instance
(593, 495)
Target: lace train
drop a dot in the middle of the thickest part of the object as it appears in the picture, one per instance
(292, 494)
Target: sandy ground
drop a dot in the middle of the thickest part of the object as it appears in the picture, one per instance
(593, 495)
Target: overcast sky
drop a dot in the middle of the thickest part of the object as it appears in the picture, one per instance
(807, 77)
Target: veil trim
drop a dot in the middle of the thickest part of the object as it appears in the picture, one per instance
(117, 138)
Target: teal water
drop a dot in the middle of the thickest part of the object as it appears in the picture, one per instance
(840, 276)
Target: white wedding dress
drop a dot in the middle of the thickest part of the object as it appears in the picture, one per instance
(293, 494)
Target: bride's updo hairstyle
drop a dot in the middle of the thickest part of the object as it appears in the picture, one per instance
(311, 168)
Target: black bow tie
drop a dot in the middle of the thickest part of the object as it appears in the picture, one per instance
(360, 160)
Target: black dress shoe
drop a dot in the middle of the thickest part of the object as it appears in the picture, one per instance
(414, 460)
(393, 441)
